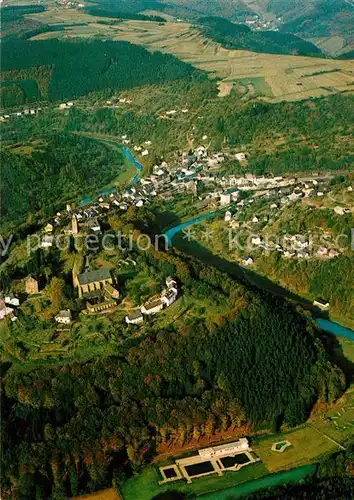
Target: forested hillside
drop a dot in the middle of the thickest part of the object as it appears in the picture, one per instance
(286, 137)
(80, 67)
(315, 19)
(71, 429)
(102, 12)
(61, 167)
(188, 9)
(240, 36)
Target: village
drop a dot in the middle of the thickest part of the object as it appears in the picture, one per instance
(195, 175)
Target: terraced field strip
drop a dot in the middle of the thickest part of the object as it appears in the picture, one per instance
(288, 77)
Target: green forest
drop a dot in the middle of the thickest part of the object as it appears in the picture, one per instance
(14, 24)
(75, 428)
(240, 36)
(80, 67)
(100, 12)
(61, 168)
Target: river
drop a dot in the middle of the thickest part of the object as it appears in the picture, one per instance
(131, 158)
(251, 276)
(238, 271)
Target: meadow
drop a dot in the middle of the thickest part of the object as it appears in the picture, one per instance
(284, 77)
(145, 486)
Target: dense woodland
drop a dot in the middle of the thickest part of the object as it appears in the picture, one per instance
(80, 67)
(75, 428)
(240, 36)
(62, 167)
(100, 12)
(317, 19)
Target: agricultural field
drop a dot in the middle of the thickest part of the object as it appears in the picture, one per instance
(275, 77)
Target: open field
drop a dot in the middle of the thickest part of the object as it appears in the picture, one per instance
(307, 446)
(281, 77)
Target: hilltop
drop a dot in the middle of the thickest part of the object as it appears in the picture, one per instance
(280, 76)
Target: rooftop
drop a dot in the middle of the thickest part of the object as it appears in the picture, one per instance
(93, 276)
(135, 315)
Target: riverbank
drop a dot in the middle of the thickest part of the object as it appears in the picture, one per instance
(247, 275)
(130, 175)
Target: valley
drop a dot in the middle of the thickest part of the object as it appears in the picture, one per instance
(176, 294)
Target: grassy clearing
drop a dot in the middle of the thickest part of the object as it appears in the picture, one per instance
(256, 86)
(307, 446)
(145, 486)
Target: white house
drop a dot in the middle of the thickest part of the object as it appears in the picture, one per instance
(235, 195)
(11, 300)
(47, 241)
(152, 307)
(145, 152)
(136, 318)
(63, 317)
(240, 156)
(4, 310)
(225, 198)
(247, 261)
(228, 216)
(170, 282)
(256, 241)
(168, 297)
(229, 449)
(322, 304)
(94, 225)
(339, 210)
(255, 219)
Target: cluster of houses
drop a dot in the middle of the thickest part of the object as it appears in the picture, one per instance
(66, 105)
(155, 304)
(308, 245)
(115, 100)
(296, 246)
(172, 112)
(9, 302)
(18, 114)
(69, 4)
